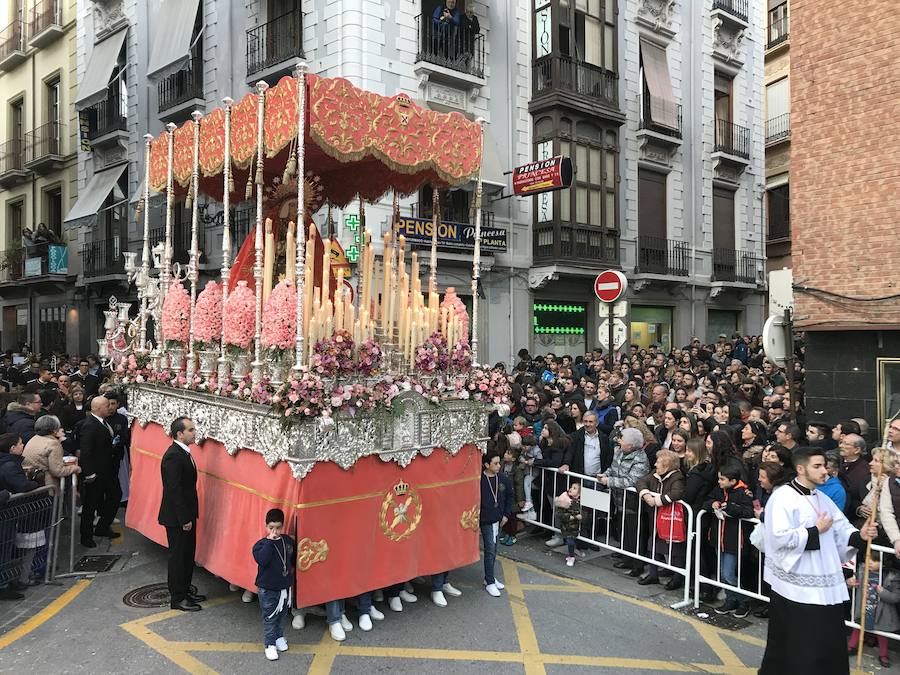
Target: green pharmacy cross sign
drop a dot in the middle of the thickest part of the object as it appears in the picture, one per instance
(351, 222)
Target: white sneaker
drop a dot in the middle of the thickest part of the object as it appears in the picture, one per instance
(378, 596)
(452, 590)
(408, 587)
(117, 521)
(499, 584)
(395, 605)
(406, 596)
(271, 653)
(365, 622)
(281, 644)
(437, 597)
(570, 561)
(554, 541)
(233, 587)
(248, 596)
(492, 590)
(298, 622)
(337, 633)
(345, 623)
(376, 614)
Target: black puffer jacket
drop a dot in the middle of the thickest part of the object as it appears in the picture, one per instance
(19, 420)
(12, 476)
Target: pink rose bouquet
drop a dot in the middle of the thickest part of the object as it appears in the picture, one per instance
(368, 357)
(461, 358)
(208, 322)
(176, 315)
(279, 321)
(240, 317)
(333, 356)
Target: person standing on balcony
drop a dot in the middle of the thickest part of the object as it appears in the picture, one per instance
(446, 20)
(470, 30)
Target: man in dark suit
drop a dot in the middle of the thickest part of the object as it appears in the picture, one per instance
(99, 461)
(91, 383)
(178, 513)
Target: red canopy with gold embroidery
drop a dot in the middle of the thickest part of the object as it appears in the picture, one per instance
(358, 143)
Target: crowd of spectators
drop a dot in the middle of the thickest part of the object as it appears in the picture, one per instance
(46, 404)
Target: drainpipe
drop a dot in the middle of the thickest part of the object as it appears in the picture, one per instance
(510, 93)
(32, 320)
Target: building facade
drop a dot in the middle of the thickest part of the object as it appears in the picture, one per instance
(845, 182)
(778, 135)
(664, 124)
(38, 173)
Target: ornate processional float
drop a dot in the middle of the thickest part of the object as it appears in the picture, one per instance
(361, 412)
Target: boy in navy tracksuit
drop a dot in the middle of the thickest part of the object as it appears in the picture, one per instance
(274, 554)
(496, 507)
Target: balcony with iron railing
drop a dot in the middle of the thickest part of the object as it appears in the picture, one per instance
(453, 47)
(183, 88)
(567, 243)
(732, 139)
(778, 32)
(36, 262)
(12, 45)
(12, 163)
(563, 73)
(107, 119)
(103, 258)
(648, 123)
(43, 148)
(46, 23)
(181, 241)
(656, 255)
(736, 8)
(779, 229)
(742, 267)
(274, 47)
(778, 129)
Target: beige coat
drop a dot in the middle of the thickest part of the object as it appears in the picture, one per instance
(46, 453)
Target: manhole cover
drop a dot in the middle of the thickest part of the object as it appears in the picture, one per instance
(96, 563)
(150, 597)
(724, 621)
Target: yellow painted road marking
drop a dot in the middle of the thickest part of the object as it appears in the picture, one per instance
(45, 614)
(528, 642)
(326, 650)
(717, 644)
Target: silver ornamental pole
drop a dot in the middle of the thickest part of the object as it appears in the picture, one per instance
(301, 211)
(145, 254)
(476, 258)
(170, 205)
(261, 87)
(226, 234)
(435, 220)
(193, 273)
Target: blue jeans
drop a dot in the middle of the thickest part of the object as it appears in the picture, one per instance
(438, 581)
(570, 545)
(333, 611)
(268, 602)
(489, 540)
(364, 603)
(728, 574)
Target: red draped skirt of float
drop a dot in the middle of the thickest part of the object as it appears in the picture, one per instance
(358, 530)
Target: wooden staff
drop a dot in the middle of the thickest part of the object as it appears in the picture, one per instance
(864, 588)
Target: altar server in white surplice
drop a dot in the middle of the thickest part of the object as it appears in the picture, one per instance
(807, 540)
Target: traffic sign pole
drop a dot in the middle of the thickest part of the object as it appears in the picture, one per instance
(612, 344)
(789, 340)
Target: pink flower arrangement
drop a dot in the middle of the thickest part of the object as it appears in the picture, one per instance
(455, 306)
(279, 321)
(461, 358)
(208, 322)
(333, 356)
(488, 386)
(368, 357)
(432, 354)
(240, 317)
(176, 314)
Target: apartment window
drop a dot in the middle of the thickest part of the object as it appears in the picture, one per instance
(723, 218)
(52, 329)
(16, 214)
(454, 205)
(592, 199)
(657, 97)
(723, 97)
(778, 98)
(17, 120)
(778, 202)
(53, 210)
(778, 22)
(652, 204)
(587, 31)
(52, 88)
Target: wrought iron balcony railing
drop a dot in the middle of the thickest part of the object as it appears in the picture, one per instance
(778, 128)
(737, 8)
(778, 32)
(663, 256)
(108, 115)
(741, 267)
(453, 47)
(567, 74)
(45, 141)
(183, 86)
(103, 257)
(732, 139)
(564, 242)
(647, 121)
(275, 41)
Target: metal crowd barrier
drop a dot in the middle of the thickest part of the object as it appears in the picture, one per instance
(879, 575)
(26, 526)
(597, 500)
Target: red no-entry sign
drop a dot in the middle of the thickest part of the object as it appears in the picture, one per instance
(610, 285)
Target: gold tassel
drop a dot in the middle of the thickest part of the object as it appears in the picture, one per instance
(231, 183)
(291, 168)
(249, 191)
(138, 209)
(188, 201)
(259, 173)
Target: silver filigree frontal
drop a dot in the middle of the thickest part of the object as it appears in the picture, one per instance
(413, 426)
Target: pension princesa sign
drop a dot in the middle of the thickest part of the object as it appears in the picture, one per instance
(452, 236)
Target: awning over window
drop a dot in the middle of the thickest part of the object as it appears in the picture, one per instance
(659, 85)
(102, 63)
(172, 47)
(91, 199)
